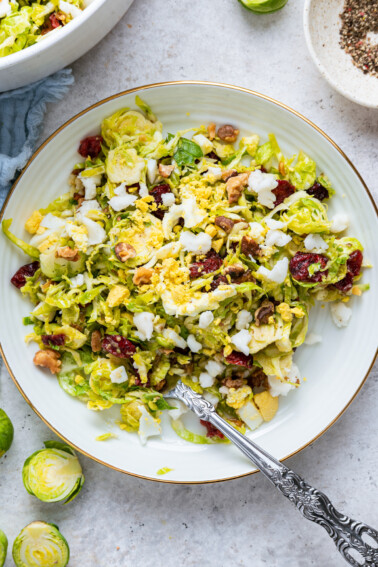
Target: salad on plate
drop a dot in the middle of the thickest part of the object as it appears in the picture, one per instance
(25, 22)
(195, 255)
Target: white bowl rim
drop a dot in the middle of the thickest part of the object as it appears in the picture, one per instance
(321, 67)
(139, 89)
(25, 54)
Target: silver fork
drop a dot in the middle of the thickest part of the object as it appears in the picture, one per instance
(313, 504)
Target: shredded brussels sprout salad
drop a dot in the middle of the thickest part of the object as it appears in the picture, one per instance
(25, 22)
(191, 255)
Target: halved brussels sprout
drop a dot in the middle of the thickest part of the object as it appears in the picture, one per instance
(263, 6)
(40, 545)
(53, 474)
(6, 432)
(3, 547)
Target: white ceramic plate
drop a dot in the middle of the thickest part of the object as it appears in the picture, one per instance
(321, 26)
(335, 369)
(63, 46)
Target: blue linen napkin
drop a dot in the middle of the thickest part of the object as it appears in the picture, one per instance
(21, 118)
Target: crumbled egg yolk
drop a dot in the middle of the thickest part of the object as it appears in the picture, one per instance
(143, 204)
(46, 244)
(33, 222)
(117, 295)
(285, 312)
(266, 404)
(356, 290)
(79, 235)
(236, 398)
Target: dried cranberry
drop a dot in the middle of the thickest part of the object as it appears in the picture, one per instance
(55, 22)
(217, 281)
(240, 359)
(90, 146)
(157, 193)
(283, 190)
(213, 155)
(300, 264)
(53, 340)
(318, 191)
(345, 284)
(211, 263)
(138, 382)
(19, 278)
(118, 346)
(212, 431)
(262, 168)
(354, 262)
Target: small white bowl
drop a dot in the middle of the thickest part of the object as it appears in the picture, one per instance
(321, 26)
(63, 46)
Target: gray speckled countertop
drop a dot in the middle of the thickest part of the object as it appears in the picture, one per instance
(123, 521)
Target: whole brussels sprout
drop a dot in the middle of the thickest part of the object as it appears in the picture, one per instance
(40, 545)
(6, 432)
(53, 474)
(3, 548)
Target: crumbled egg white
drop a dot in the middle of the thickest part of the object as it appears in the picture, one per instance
(341, 314)
(340, 222)
(206, 380)
(79, 235)
(250, 415)
(279, 387)
(262, 184)
(180, 409)
(122, 200)
(148, 426)
(143, 191)
(315, 243)
(241, 341)
(152, 169)
(277, 238)
(196, 243)
(205, 319)
(195, 305)
(168, 199)
(212, 398)
(188, 210)
(144, 322)
(90, 184)
(118, 375)
(193, 344)
(215, 172)
(87, 206)
(53, 222)
(96, 234)
(77, 281)
(204, 143)
(171, 335)
(274, 224)
(278, 272)
(243, 319)
(214, 368)
(312, 339)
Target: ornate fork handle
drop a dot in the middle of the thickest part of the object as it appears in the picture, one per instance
(312, 503)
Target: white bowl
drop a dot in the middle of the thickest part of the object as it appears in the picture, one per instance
(335, 369)
(63, 46)
(321, 26)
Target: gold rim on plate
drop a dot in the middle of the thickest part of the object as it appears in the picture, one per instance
(130, 91)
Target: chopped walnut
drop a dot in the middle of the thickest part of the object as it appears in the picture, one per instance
(228, 173)
(234, 382)
(48, 359)
(96, 341)
(235, 270)
(165, 170)
(263, 313)
(235, 185)
(46, 285)
(249, 246)
(124, 251)
(258, 379)
(79, 198)
(67, 253)
(160, 385)
(228, 133)
(211, 130)
(224, 223)
(142, 276)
